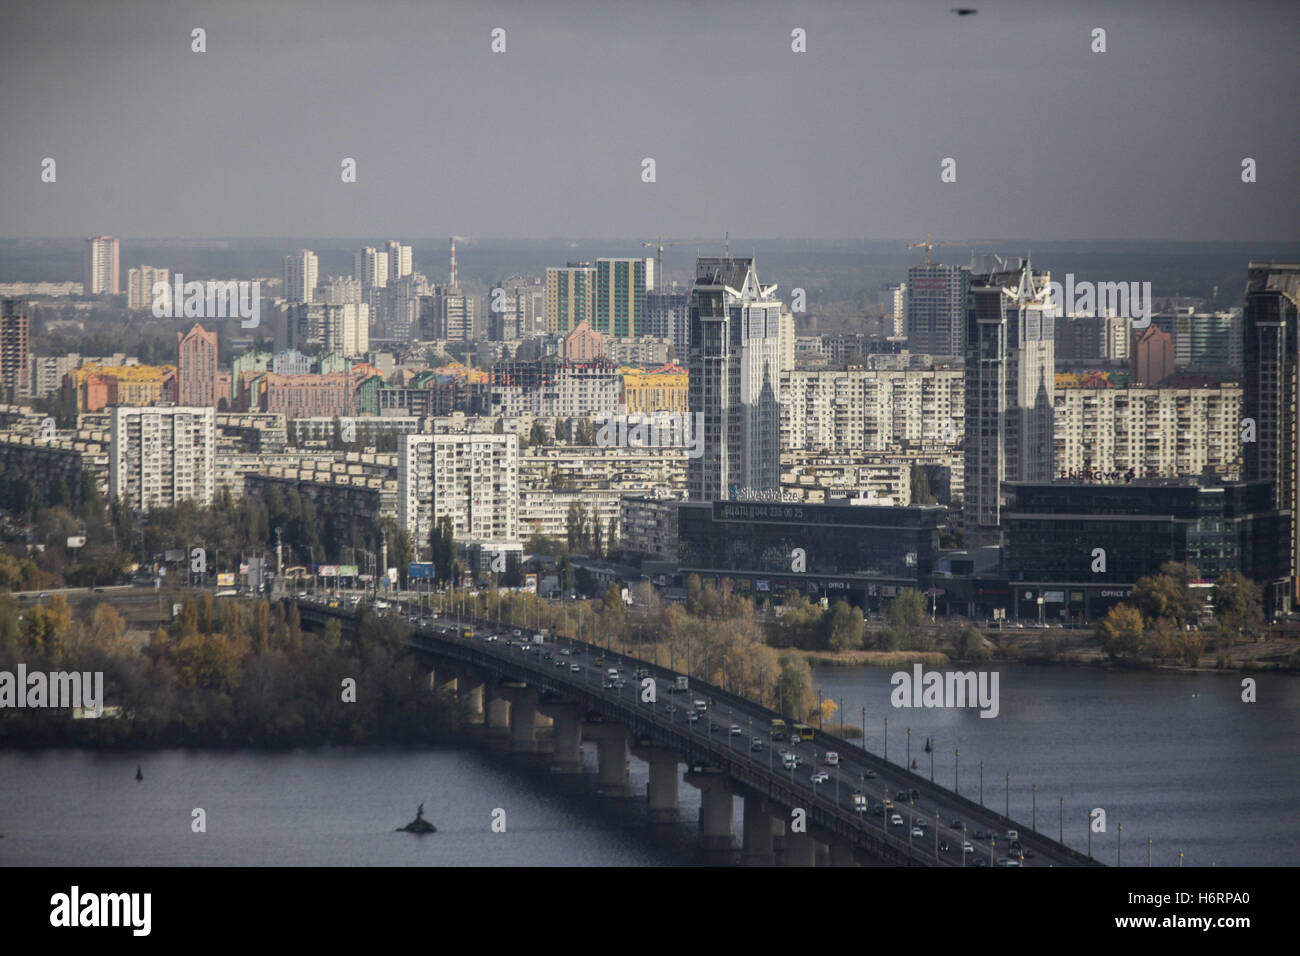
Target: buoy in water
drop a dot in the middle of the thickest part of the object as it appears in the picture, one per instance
(138, 774)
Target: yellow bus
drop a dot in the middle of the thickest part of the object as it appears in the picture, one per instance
(800, 732)
(467, 632)
(778, 729)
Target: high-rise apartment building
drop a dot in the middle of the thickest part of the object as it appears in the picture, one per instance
(15, 336)
(1271, 354)
(196, 377)
(735, 380)
(140, 283)
(570, 296)
(893, 306)
(668, 316)
(1165, 432)
(399, 259)
(162, 455)
(620, 296)
(370, 267)
(300, 276)
(936, 309)
(1010, 386)
(101, 275)
(850, 409)
(473, 478)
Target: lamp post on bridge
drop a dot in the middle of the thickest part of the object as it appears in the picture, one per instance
(1033, 825)
(981, 783)
(956, 771)
(1007, 814)
(886, 739)
(1061, 835)
(932, 748)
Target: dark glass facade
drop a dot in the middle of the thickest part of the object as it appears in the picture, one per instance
(1054, 531)
(863, 547)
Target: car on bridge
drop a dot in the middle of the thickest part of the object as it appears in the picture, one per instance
(735, 731)
(575, 668)
(832, 759)
(870, 775)
(967, 847)
(756, 744)
(917, 831)
(896, 820)
(821, 776)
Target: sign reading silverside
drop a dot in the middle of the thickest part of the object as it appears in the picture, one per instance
(946, 689)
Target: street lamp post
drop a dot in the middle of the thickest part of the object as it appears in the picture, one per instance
(1033, 825)
(932, 762)
(886, 739)
(1148, 852)
(981, 783)
(1119, 845)
(1007, 814)
(909, 747)
(956, 770)
(1061, 835)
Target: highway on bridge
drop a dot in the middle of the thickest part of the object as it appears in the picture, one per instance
(921, 821)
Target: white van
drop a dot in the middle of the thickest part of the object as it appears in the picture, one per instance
(1013, 834)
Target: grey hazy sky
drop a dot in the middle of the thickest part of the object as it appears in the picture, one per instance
(1051, 140)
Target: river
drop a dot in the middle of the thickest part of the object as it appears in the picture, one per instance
(1175, 757)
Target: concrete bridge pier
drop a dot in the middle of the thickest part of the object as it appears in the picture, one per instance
(445, 680)
(759, 846)
(566, 740)
(496, 715)
(800, 849)
(822, 854)
(778, 835)
(661, 791)
(716, 809)
(611, 749)
(469, 690)
(523, 719)
(841, 854)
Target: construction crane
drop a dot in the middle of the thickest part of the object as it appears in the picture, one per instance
(659, 244)
(930, 244)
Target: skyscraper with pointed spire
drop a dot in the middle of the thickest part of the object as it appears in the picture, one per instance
(735, 381)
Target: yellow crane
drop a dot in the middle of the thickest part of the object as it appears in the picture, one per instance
(928, 244)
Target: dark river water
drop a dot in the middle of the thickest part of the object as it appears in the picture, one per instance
(1207, 774)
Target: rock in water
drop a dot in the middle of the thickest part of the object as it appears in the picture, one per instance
(419, 824)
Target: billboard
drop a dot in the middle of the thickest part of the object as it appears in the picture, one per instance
(78, 541)
(347, 570)
(530, 583)
(226, 580)
(416, 570)
(327, 570)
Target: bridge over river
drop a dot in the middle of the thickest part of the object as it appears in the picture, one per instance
(864, 810)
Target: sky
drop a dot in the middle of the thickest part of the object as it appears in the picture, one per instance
(547, 139)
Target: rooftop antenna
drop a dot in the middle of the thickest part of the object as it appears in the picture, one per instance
(728, 244)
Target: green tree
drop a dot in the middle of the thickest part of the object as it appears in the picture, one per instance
(844, 627)
(1237, 604)
(1121, 632)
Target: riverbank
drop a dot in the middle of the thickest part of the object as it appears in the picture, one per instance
(1074, 647)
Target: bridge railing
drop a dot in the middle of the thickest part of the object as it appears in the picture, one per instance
(701, 750)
